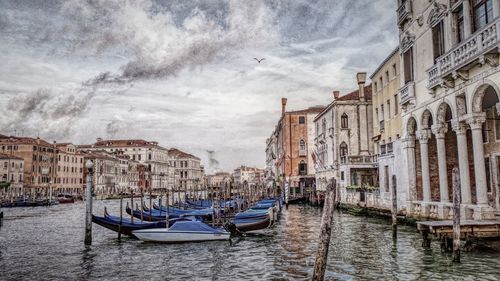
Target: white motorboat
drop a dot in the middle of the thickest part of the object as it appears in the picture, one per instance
(183, 231)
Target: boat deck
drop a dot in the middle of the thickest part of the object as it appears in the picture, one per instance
(468, 228)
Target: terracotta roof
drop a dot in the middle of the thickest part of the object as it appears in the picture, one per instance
(355, 95)
(180, 154)
(25, 140)
(121, 143)
(6, 156)
(314, 109)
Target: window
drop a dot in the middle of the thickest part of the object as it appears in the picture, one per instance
(376, 114)
(302, 168)
(381, 83)
(459, 22)
(302, 145)
(382, 116)
(375, 86)
(483, 13)
(389, 108)
(396, 104)
(387, 76)
(341, 175)
(497, 129)
(408, 65)
(394, 70)
(344, 121)
(343, 149)
(302, 120)
(438, 40)
(323, 126)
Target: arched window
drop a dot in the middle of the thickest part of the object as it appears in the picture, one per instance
(302, 145)
(343, 149)
(344, 121)
(302, 168)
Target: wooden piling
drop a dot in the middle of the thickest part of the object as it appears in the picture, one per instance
(88, 206)
(325, 232)
(121, 217)
(456, 215)
(394, 209)
(132, 205)
(150, 202)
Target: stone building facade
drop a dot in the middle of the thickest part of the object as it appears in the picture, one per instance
(294, 138)
(387, 128)
(450, 99)
(189, 172)
(344, 146)
(11, 176)
(155, 158)
(69, 174)
(218, 178)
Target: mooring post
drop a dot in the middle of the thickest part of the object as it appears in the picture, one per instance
(287, 192)
(88, 206)
(121, 217)
(325, 232)
(456, 215)
(132, 205)
(394, 209)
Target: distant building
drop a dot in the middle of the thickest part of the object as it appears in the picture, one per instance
(218, 178)
(249, 175)
(188, 169)
(155, 158)
(69, 174)
(11, 175)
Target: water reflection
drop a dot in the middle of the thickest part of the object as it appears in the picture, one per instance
(47, 243)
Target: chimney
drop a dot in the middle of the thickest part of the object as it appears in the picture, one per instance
(283, 106)
(361, 77)
(336, 94)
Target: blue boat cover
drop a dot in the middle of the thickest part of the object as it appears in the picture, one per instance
(194, 226)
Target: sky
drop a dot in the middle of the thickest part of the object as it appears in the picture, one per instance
(182, 72)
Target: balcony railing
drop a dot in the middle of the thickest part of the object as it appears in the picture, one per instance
(467, 53)
(302, 152)
(346, 159)
(407, 93)
(404, 12)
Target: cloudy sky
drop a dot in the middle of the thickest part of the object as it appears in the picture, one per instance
(181, 72)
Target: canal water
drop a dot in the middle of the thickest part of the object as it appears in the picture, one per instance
(46, 243)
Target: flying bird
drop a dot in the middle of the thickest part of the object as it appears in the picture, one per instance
(259, 60)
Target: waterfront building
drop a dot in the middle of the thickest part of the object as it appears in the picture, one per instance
(106, 172)
(450, 78)
(40, 161)
(387, 130)
(343, 143)
(218, 178)
(155, 158)
(11, 175)
(69, 173)
(294, 138)
(188, 169)
(271, 170)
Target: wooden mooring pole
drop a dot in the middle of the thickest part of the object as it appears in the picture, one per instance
(121, 216)
(456, 215)
(88, 206)
(394, 209)
(325, 232)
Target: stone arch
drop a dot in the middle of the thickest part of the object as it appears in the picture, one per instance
(411, 126)
(480, 91)
(444, 113)
(427, 119)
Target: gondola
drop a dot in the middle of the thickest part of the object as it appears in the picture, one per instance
(155, 214)
(127, 225)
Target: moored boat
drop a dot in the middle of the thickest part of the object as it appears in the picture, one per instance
(183, 231)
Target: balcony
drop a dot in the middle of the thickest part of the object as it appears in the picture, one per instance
(407, 93)
(346, 159)
(480, 48)
(302, 152)
(404, 12)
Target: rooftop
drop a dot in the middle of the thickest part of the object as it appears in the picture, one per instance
(6, 156)
(180, 154)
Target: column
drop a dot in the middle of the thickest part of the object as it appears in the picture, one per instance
(410, 160)
(463, 160)
(476, 126)
(423, 137)
(440, 131)
(496, 8)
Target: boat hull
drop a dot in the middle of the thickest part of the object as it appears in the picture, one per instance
(167, 236)
(248, 225)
